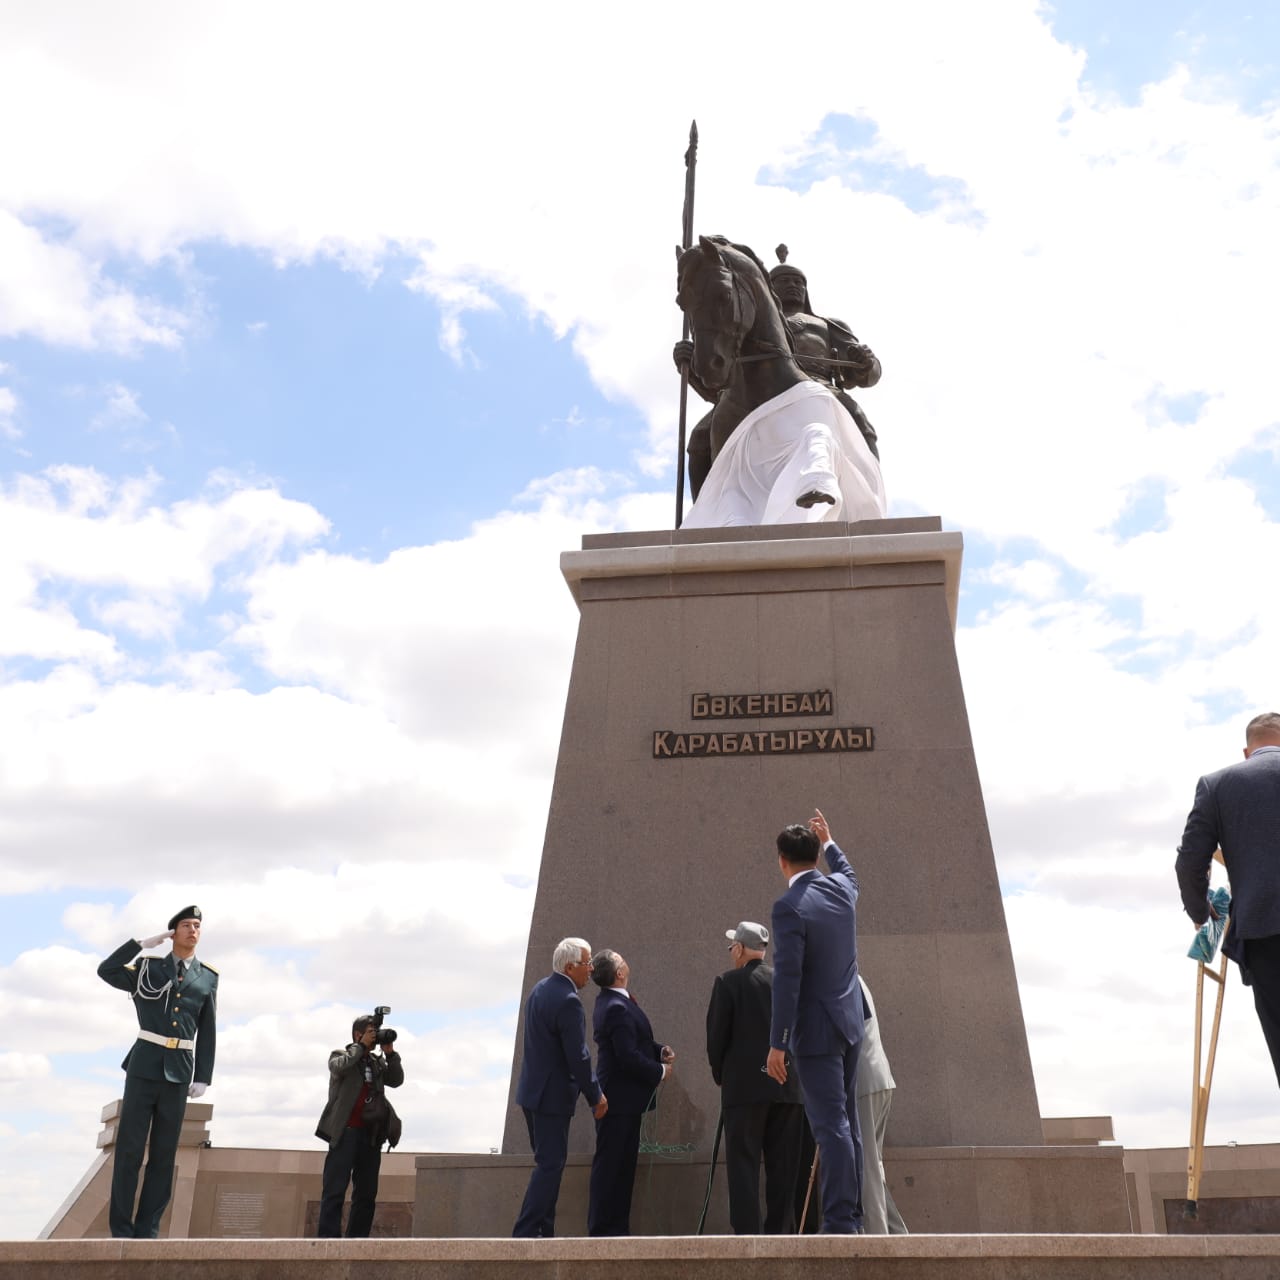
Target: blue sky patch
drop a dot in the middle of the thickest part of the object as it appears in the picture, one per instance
(1259, 468)
(1144, 510)
(1183, 407)
(851, 149)
(333, 387)
(1140, 42)
(39, 921)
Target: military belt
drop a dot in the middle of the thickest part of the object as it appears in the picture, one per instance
(167, 1042)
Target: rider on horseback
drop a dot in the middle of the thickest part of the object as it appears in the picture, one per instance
(825, 349)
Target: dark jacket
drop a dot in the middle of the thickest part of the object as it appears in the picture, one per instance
(1237, 808)
(185, 1010)
(346, 1075)
(555, 1066)
(817, 1002)
(628, 1058)
(738, 1038)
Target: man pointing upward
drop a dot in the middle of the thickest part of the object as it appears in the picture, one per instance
(818, 1011)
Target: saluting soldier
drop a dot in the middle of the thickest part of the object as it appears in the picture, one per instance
(175, 998)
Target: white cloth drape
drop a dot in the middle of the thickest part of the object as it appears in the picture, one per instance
(802, 440)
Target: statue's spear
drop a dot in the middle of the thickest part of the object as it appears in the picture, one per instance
(690, 169)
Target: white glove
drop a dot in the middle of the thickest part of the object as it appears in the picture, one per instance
(148, 943)
(197, 1090)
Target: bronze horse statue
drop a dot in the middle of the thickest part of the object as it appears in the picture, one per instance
(741, 341)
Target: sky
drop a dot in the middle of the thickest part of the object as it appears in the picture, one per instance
(323, 332)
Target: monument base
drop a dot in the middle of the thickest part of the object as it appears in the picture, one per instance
(938, 1190)
(989, 1257)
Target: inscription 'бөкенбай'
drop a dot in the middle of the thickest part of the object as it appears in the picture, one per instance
(760, 706)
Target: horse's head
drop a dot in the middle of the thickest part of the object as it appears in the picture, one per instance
(720, 308)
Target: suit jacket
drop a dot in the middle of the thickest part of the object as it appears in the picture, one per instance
(738, 1038)
(556, 1066)
(1238, 808)
(185, 1010)
(817, 1003)
(346, 1075)
(629, 1059)
(874, 1075)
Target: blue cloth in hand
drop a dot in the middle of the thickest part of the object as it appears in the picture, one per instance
(1205, 946)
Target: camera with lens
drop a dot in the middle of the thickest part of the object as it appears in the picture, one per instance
(385, 1035)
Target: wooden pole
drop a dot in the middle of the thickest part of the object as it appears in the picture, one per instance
(1200, 1091)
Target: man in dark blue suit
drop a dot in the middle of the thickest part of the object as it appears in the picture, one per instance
(1237, 809)
(632, 1064)
(817, 1009)
(555, 1068)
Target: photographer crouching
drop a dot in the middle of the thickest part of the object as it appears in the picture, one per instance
(356, 1122)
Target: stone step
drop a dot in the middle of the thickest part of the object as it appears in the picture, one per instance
(968, 1257)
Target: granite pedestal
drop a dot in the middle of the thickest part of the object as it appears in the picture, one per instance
(666, 803)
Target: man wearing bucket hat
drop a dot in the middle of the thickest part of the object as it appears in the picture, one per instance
(175, 999)
(760, 1116)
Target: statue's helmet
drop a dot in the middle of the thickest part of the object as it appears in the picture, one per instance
(788, 271)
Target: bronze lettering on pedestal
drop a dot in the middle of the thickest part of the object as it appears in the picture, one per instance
(760, 706)
(670, 745)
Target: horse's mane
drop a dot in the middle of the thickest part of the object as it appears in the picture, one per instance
(750, 254)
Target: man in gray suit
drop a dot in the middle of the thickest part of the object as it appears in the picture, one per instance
(1238, 809)
(880, 1216)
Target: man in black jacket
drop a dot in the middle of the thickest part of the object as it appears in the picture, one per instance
(630, 1065)
(354, 1126)
(760, 1115)
(1237, 809)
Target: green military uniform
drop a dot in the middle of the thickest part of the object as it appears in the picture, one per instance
(177, 1037)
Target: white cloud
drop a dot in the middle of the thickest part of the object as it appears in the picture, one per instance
(121, 409)
(23, 1068)
(456, 298)
(55, 293)
(77, 525)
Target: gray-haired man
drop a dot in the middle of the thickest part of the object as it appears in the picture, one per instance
(554, 1069)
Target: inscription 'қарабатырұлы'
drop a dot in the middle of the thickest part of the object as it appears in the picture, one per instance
(668, 745)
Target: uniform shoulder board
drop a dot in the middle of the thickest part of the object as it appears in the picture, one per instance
(210, 967)
(131, 968)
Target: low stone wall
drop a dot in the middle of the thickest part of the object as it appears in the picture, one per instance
(937, 1189)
